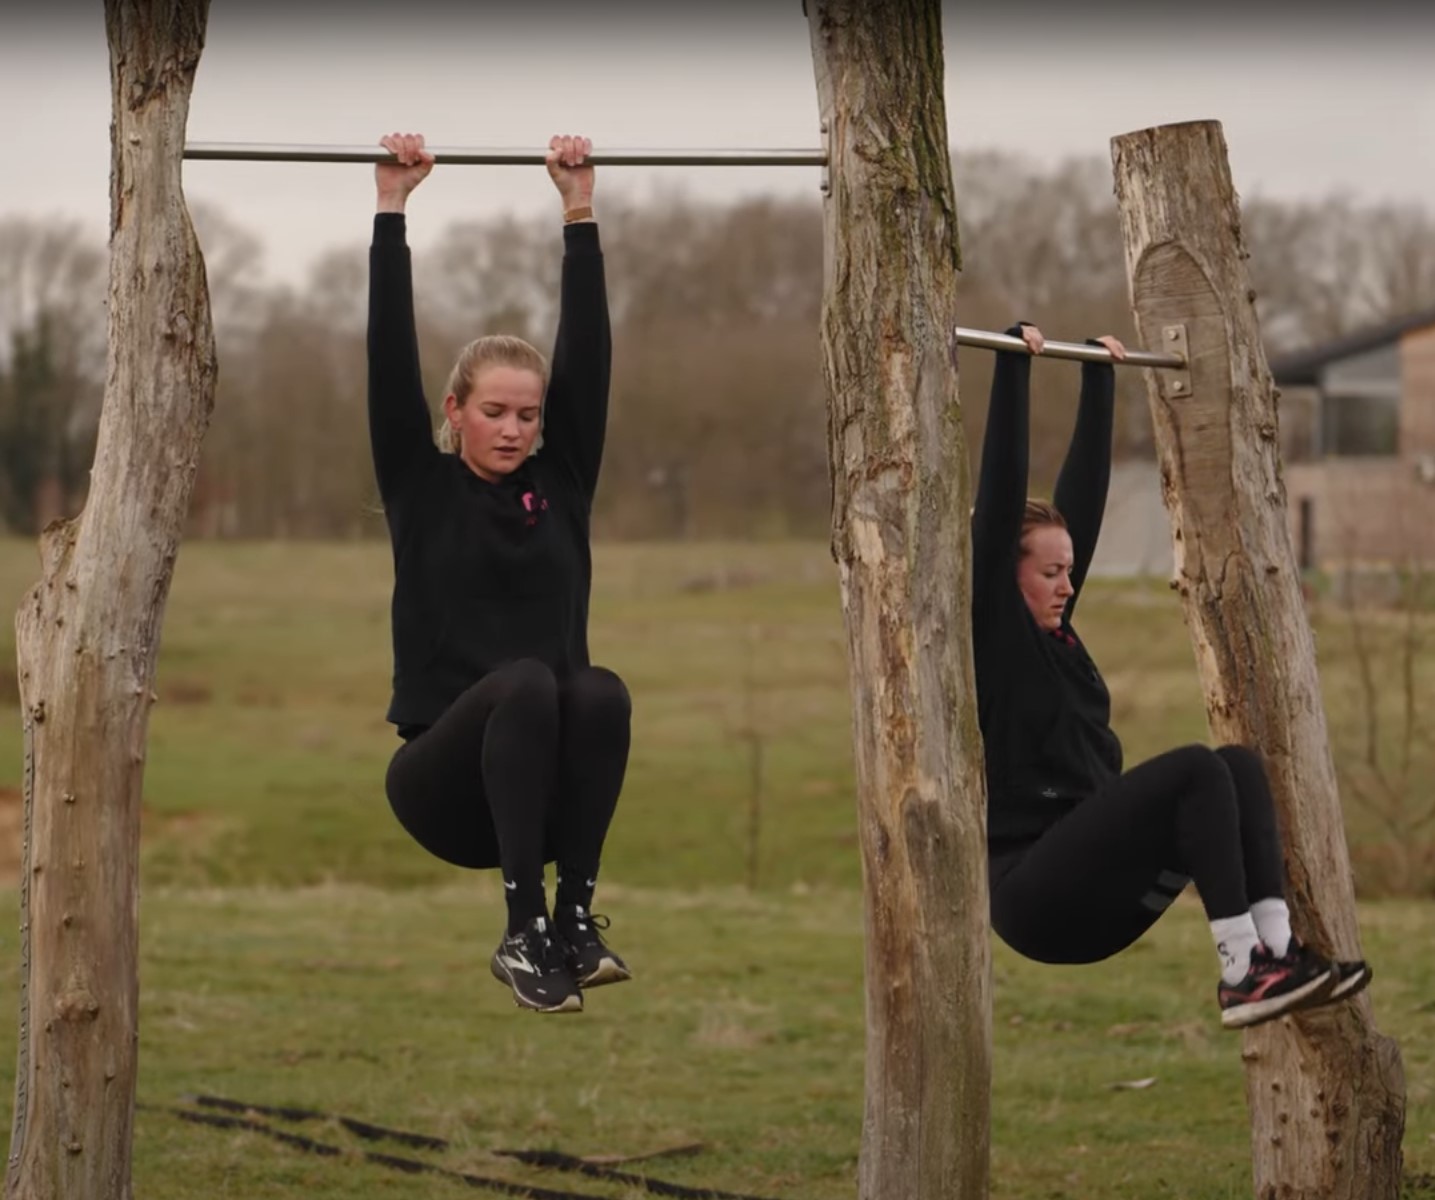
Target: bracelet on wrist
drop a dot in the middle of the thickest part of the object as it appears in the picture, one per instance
(582, 213)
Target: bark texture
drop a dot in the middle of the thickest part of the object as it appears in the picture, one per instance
(87, 638)
(901, 538)
(1326, 1090)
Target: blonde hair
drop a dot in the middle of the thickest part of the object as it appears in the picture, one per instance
(496, 350)
(1038, 515)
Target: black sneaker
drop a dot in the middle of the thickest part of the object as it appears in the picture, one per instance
(531, 963)
(1274, 986)
(591, 960)
(1351, 976)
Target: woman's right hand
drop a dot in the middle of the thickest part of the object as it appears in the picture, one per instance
(1033, 338)
(396, 180)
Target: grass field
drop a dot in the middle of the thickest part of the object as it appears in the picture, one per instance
(298, 949)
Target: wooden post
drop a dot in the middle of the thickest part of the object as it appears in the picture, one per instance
(1326, 1090)
(900, 535)
(87, 637)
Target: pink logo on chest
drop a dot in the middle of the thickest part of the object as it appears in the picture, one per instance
(533, 505)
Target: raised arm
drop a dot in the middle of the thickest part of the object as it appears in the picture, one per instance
(1001, 489)
(1085, 474)
(399, 432)
(575, 411)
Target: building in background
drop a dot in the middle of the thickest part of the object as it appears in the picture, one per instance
(1357, 420)
(1358, 442)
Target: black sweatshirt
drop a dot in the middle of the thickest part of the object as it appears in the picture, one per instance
(1044, 709)
(485, 573)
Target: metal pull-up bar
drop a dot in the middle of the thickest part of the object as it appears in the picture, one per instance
(499, 157)
(987, 340)
(762, 157)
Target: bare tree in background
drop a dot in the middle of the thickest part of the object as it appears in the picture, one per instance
(1326, 267)
(717, 379)
(50, 267)
(52, 357)
(234, 265)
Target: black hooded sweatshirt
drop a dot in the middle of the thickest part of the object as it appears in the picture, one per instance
(1044, 709)
(485, 573)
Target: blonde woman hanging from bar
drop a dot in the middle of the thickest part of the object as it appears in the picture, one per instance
(514, 745)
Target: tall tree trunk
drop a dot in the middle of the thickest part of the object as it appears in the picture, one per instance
(1326, 1089)
(88, 635)
(900, 535)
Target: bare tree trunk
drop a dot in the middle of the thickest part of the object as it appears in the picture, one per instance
(88, 635)
(1326, 1089)
(900, 535)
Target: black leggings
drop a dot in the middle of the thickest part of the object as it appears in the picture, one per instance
(1100, 877)
(520, 770)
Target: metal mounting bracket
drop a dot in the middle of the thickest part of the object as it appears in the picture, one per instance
(826, 184)
(1177, 383)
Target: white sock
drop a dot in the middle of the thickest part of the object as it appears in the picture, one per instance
(1235, 938)
(1273, 920)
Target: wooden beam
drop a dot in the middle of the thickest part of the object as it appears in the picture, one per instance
(1326, 1089)
(901, 539)
(87, 638)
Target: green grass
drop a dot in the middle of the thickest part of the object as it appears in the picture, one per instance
(268, 746)
(298, 949)
(743, 1032)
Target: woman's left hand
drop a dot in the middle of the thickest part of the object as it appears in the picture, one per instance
(568, 168)
(1118, 351)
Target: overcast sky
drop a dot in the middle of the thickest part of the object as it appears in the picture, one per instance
(1325, 99)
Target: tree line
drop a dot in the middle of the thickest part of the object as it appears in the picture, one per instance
(717, 418)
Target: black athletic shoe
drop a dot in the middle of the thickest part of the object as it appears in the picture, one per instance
(591, 960)
(1351, 976)
(1274, 987)
(531, 963)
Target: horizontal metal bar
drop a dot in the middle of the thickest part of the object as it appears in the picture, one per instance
(477, 156)
(987, 340)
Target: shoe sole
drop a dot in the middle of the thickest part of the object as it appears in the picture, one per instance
(607, 971)
(1257, 1012)
(1344, 989)
(573, 1003)
(1352, 985)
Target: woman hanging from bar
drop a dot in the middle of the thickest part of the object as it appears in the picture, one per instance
(514, 746)
(1084, 858)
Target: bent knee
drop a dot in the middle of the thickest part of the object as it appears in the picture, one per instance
(1202, 767)
(597, 690)
(1240, 759)
(528, 682)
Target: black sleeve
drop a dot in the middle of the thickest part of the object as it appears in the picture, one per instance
(399, 432)
(575, 411)
(1086, 474)
(1001, 489)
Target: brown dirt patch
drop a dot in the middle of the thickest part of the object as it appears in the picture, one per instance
(12, 834)
(189, 829)
(185, 692)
